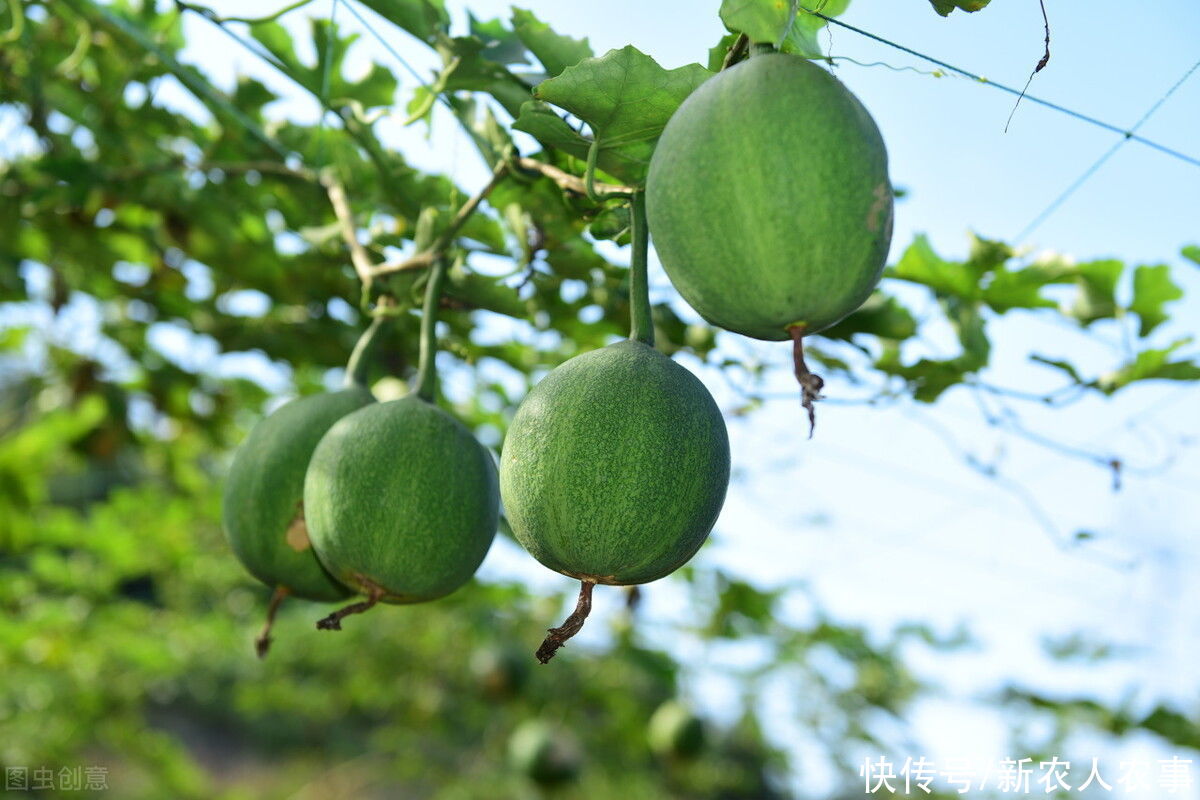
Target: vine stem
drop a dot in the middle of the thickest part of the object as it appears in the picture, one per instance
(557, 637)
(356, 367)
(810, 383)
(428, 257)
(208, 13)
(333, 622)
(426, 387)
(641, 327)
(572, 183)
(262, 643)
(345, 217)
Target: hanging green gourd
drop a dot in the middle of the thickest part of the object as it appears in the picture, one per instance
(401, 498)
(616, 464)
(769, 201)
(262, 508)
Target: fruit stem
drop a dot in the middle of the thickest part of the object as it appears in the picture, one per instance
(360, 362)
(737, 51)
(426, 387)
(641, 327)
(558, 636)
(333, 622)
(262, 644)
(810, 383)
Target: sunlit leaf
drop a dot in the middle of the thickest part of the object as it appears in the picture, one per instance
(626, 98)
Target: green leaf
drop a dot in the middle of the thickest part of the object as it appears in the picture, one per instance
(928, 378)
(467, 66)
(781, 23)
(424, 19)
(972, 334)
(1022, 288)
(944, 7)
(1061, 366)
(541, 122)
(717, 53)
(1152, 289)
(882, 316)
(1192, 253)
(1152, 365)
(920, 264)
(1097, 298)
(377, 88)
(555, 52)
(626, 98)
(611, 223)
(500, 44)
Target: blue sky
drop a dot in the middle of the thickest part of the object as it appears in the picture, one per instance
(877, 514)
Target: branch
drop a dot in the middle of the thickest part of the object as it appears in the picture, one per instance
(341, 208)
(568, 182)
(426, 258)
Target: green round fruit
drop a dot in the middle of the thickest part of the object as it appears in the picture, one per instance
(262, 513)
(500, 671)
(615, 466)
(544, 756)
(768, 198)
(400, 497)
(675, 732)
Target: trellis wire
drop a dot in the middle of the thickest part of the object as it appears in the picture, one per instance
(1098, 163)
(1127, 134)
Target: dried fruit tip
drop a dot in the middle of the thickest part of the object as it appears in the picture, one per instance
(811, 384)
(557, 637)
(262, 642)
(333, 622)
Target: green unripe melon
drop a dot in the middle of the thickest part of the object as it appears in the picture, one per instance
(501, 671)
(400, 497)
(615, 466)
(675, 732)
(768, 198)
(545, 756)
(262, 515)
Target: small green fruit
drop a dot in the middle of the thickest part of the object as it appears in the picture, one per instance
(545, 756)
(262, 513)
(615, 466)
(768, 199)
(675, 732)
(500, 671)
(402, 501)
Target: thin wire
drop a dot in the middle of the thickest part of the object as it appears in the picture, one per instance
(1128, 134)
(326, 72)
(386, 46)
(1095, 167)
